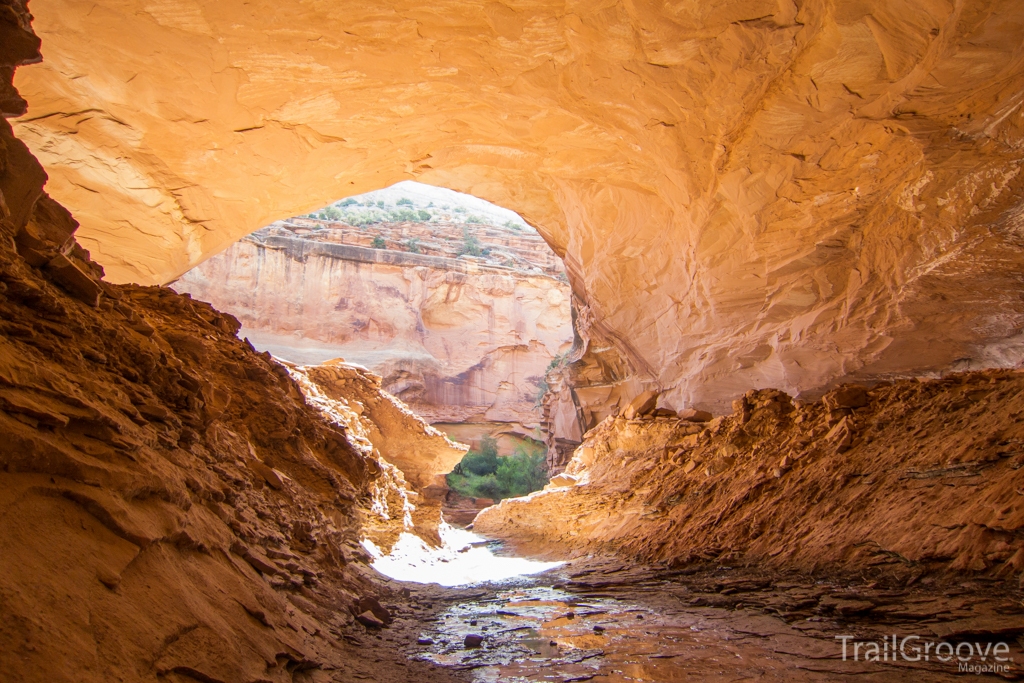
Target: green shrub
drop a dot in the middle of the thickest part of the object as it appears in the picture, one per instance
(402, 215)
(348, 202)
(424, 215)
(403, 202)
(482, 462)
(379, 243)
(412, 245)
(470, 244)
(483, 474)
(522, 472)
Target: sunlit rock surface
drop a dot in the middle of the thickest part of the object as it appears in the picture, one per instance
(457, 339)
(893, 482)
(386, 424)
(747, 194)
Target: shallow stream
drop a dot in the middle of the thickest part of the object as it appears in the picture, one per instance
(530, 621)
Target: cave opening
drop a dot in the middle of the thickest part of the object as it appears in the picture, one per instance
(793, 232)
(458, 305)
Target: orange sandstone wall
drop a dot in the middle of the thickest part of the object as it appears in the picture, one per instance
(747, 193)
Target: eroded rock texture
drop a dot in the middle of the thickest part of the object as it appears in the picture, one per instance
(171, 507)
(747, 194)
(457, 339)
(893, 482)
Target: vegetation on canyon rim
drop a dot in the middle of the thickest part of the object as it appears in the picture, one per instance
(484, 474)
(374, 212)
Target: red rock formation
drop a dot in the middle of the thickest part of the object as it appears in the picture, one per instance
(900, 480)
(458, 339)
(170, 506)
(747, 193)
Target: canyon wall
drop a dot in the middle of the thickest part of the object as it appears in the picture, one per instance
(893, 483)
(171, 506)
(457, 339)
(746, 194)
(174, 508)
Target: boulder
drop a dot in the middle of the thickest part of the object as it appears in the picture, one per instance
(369, 619)
(694, 415)
(370, 604)
(641, 405)
(848, 396)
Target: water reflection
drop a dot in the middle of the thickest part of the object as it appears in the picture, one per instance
(463, 559)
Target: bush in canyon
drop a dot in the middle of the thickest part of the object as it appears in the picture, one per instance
(482, 462)
(483, 474)
(404, 202)
(470, 244)
(401, 215)
(412, 245)
(379, 243)
(522, 472)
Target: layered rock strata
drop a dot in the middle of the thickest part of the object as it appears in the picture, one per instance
(746, 193)
(171, 507)
(902, 480)
(457, 339)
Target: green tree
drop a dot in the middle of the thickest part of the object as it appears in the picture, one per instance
(423, 215)
(404, 202)
(379, 243)
(413, 245)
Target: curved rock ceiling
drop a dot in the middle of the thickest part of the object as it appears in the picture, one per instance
(746, 192)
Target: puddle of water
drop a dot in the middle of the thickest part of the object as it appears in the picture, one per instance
(530, 634)
(539, 634)
(463, 559)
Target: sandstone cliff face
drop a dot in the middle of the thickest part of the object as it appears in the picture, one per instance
(455, 339)
(893, 482)
(747, 194)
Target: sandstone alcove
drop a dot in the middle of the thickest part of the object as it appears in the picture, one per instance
(792, 234)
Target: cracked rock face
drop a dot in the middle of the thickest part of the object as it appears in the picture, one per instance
(746, 194)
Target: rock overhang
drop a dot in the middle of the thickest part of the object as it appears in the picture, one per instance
(746, 194)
